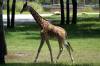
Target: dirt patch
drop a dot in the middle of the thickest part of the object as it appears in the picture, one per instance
(13, 55)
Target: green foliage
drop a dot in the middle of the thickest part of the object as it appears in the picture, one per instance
(38, 7)
(84, 14)
(40, 1)
(43, 1)
(5, 4)
(24, 40)
(88, 9)
(19, 4)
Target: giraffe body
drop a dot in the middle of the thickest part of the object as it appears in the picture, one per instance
(54, 31)
(48, 30)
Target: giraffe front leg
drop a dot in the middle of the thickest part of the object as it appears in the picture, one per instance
(60, 51)
(39, 49)
(60, 48)
(48, 44)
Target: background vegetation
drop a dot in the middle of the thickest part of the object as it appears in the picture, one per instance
(38, 5)
(23, 42)
(19, 4)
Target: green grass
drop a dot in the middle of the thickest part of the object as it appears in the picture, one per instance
(23, 42)
(46, 64)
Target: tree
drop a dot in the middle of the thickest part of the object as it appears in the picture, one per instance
(8, 14)
(52, 1)
(13, 14)
(74, 18)
(30, 0)
(62, 12)
(67, 12)
(99, 9)
(2, 38)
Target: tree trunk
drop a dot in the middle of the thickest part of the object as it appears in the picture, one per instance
(74, 18)
(99, 9)
(30, 0)
(8, 14)
(62, 12)
(52, 2)
(2, 39)
(13, 14)
(67, 12)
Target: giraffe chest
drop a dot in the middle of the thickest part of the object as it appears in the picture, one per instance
(46, 26)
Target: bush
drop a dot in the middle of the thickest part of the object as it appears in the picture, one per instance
(36, 6)
(19, 4)
(84, 14)
(87, 9)
(5, 4)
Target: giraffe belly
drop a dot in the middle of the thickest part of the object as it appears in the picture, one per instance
(58, 33)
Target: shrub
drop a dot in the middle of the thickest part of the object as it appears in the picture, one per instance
(38, 7)
(19, 4)
(84, 14)
(87, 9)
(5, 4)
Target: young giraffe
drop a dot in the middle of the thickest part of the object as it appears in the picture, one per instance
(48, 29)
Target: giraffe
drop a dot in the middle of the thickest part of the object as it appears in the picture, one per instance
(48, 30)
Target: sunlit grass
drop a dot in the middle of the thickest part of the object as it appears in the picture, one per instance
(23, 42)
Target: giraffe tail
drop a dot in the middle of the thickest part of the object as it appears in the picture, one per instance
(67, 45)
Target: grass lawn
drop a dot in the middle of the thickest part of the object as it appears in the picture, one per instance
(23, 42)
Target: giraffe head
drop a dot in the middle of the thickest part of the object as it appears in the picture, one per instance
(24, 7)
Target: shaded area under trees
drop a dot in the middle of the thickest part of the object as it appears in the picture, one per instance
(3, 50)
(62, 12)
(8, 14)
(13, 13)
(11, 23)
(74, 17)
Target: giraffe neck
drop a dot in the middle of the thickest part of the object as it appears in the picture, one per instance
(36, 16)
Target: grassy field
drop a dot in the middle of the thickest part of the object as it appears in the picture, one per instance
(23, 41)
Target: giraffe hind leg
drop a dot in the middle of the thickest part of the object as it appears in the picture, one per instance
(67, 44)
(69, 48)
